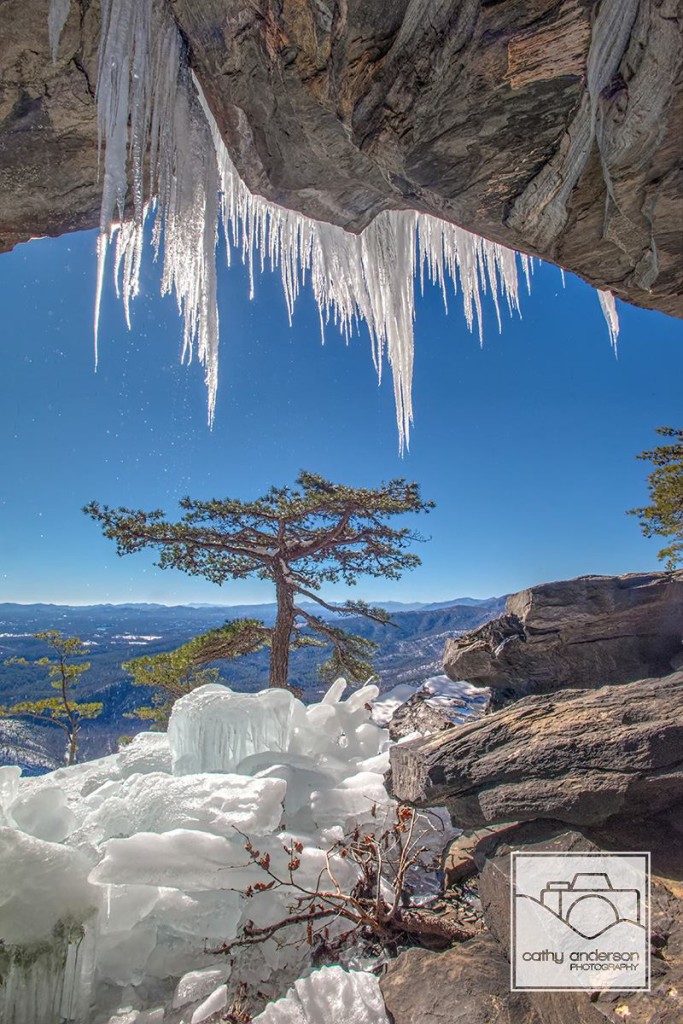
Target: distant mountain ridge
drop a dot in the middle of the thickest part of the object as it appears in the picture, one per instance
(410, 650)
(235, 610)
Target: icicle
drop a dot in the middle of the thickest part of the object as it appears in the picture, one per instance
(150, 103)
(146, 103)
(56, 20)
(369, 277)
(609, 309)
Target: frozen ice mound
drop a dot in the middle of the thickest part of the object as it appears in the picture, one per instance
(212, 1005)
(197, 985)
(212, 729)
(210, 803)
(46, 906)
(9, 790)
(329, 995)
(180, 859)
(147, 752)
(45, 814)
(358, 799)
(131, 871)
(41, 884)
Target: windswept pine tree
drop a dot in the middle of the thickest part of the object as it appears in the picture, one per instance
(64, 670)
(300, 538)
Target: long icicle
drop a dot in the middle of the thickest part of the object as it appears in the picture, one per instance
(149, 103)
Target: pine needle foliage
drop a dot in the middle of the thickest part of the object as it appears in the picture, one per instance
(663, 517)
(299, 538)
(172, 674)
(64, 669)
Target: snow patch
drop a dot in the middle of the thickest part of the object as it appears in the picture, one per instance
(457, 698)
(330, 995)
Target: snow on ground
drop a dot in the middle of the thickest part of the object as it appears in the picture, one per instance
(458, 698)
(327, 996)
(120, 877)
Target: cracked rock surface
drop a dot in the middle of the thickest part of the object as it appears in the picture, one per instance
(577, 633)
(578, 756)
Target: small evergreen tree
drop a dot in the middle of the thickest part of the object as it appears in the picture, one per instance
(299, 538)
(171, 674)
(64, 674)
(664, 516)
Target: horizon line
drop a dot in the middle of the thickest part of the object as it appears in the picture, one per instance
(237, 604)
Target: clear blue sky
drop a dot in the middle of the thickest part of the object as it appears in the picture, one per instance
(528, 446)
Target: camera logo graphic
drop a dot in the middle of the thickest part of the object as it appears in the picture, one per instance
(591, 897)
(579, 921)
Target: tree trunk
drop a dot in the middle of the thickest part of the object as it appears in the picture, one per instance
(72, 748)
(282, 635)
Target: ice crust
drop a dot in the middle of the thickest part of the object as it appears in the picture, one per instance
(118, 877)
(329, 995)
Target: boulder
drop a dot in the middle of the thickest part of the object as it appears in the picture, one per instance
(463, 857)
(579, 756)
(663, 1004)
(495, 867)
(469, 984)
(418, 715)
(577, 633)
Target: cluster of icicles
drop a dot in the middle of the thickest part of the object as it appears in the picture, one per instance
(151, 108)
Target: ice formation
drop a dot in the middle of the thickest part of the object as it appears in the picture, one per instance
(118, 877)
(330, 995)
(56, 20)
(609, 309)
(149, 102)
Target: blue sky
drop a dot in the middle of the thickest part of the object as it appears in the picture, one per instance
(527, 445)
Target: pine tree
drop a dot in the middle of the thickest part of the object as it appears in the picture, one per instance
(172, 674)
(299, 538)
(64, 674)
(664, 516)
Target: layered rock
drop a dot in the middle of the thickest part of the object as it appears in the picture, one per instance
(571, 771)
(48, 123)
(420, 985)
(548, 125)
(579, 633)
(418, 715)
(582, 757)
(464, 856)
(469, 984)
(663, 1003)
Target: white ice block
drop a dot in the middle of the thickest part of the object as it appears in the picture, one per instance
(41, 883)
(212, 729)
(209, 803)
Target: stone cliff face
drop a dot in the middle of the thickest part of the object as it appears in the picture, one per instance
(548, 125)
(577, 633)
(589, 762)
